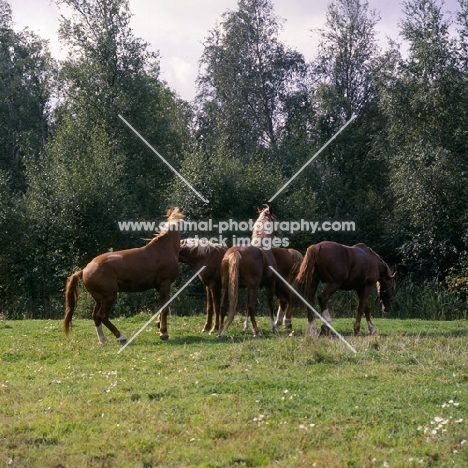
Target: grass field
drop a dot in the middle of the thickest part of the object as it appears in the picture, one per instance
(197, 401)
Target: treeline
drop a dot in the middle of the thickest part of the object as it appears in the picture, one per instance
(70, 169)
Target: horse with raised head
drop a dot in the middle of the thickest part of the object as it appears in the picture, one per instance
(248, 265)
(357, 268)
(196, 254)
(155, 265)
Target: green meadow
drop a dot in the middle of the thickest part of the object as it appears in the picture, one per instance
(198, 401)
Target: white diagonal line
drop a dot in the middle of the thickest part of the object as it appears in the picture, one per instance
(312, 158)
(181, 177)
(313, 310)
(162, 308)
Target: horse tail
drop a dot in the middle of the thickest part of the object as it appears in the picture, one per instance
(71, 297)
(297, 261)
(305, 276)
(234, 261)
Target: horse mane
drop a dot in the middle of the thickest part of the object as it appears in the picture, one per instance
(173, 215)
(203, 249)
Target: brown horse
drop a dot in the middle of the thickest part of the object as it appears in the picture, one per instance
(288, 262)
(196, 254)
(249, 266)
(155, 265)
(356, 268)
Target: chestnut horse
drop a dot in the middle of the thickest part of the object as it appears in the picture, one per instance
(154, 265)
(357, 268)
(196, 254)
(288, 262)
(248, 265)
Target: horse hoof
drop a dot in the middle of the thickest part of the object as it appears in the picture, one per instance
(123, 342)
(164, 337)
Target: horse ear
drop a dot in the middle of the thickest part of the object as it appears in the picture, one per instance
(394, 275)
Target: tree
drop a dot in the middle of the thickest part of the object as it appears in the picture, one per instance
(425, 104)
(96, 171)
(348, 179)
(26, 75)
(246, 82)
(346, 59)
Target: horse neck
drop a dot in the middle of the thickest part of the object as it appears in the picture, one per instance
(190, 258)
(384, 271)
(169, 240)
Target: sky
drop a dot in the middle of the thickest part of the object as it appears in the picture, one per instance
(178, 28)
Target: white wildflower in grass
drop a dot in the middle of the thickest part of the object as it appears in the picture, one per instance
(260, 419)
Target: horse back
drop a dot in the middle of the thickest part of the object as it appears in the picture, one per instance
(131, 270)
(351, 267)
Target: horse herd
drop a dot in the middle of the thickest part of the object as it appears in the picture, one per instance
(156, 265)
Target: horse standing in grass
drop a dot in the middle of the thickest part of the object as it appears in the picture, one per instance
(288, 262)
(196, 254)
(156, 265)
(249, 266)
(356, 268)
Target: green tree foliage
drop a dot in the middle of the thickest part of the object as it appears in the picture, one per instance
(26, 73)
(70, 168)
(248, 79)
(250, 87)
(425, 102)
(96, 171)
(348, 178)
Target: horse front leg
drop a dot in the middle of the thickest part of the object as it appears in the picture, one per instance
(363, 294)
(370, 325)
(209, 311)
(271, 306)
(280, 315)
(164, 296)
(311, 329)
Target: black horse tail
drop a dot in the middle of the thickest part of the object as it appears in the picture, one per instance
(71, 298)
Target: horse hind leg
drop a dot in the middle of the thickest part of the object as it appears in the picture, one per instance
(98, 322)
(103, 315)
(252, 295)
(323, 298)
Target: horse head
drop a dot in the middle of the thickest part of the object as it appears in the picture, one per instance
(266, 224)
(385, 290)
